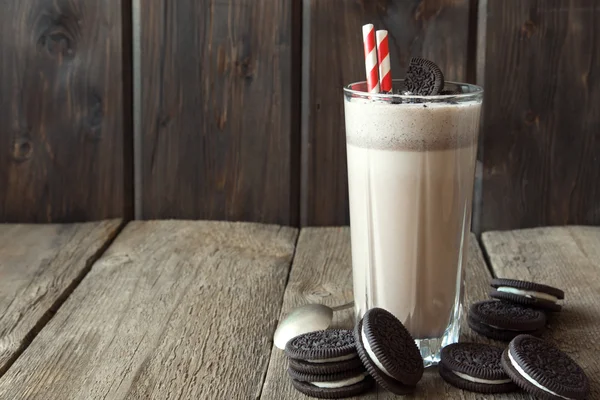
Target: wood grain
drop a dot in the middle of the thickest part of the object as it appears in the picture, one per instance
(435, 29)
(568, 258)
(172, 310)
(322, 273)
(61, 111)
(541, 114)
(39, 267)
(218, 123)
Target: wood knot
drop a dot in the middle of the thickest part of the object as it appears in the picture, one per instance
(58, 35)
(320, 292)
(22, 148)
(57, 44)
(245, 68)
(164, 121)
(93, 121)
(528, 29)
(532, 118)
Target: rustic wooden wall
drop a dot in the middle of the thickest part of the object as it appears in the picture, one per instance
(541, 122)
(62, 115)
(220, 85)
(240, 105)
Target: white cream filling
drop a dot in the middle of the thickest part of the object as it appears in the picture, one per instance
(530, 379)
(339, 384)
(479, 380)
(528, 293)
(372, 355)
(334, 359)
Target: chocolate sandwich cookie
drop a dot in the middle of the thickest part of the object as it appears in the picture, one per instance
(543, 370)
(475, 367)
(335, 389)
(530, 294)
(338, 376)
(424, 77)
(502, 320)
(326, 346)
(388, 351)
(325, 368)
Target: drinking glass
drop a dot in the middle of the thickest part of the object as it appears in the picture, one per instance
(411, 166)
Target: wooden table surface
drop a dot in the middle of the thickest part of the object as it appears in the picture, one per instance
(187, 310)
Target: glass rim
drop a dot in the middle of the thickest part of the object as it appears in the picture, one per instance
(477, 91)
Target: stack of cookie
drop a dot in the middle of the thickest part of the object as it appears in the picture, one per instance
(528, 362)
(325, 364)
(516, 315)
(339, 363)
(519, 308)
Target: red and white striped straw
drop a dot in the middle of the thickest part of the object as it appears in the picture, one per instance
(385, 70)
(371, 58)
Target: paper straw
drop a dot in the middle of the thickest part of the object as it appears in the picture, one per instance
(385, 70)
(371, 58)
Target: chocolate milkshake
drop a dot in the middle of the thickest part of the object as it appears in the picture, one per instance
(411, 172)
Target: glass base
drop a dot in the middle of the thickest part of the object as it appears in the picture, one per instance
(431, 348)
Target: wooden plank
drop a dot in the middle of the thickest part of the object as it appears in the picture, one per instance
(568, 258)
(40, 265)
(479, 14)
(434, 29)
(218, 110)
(322, 273)
(541, 117)
(172, 310)
(63, 144)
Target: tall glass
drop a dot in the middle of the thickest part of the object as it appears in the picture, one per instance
(411, 166)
